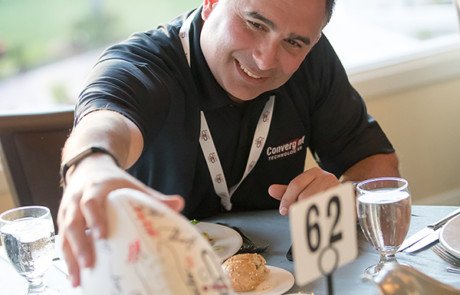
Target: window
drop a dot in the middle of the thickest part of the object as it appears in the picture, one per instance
(369, 32)
(47, 47)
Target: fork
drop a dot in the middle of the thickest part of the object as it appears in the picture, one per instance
(248, 245)
(445, 255)
(453, 270)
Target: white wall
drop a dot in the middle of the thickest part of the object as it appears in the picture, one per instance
(424, 126)
(417, 103)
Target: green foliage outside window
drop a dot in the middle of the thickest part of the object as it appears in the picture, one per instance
(38, 32)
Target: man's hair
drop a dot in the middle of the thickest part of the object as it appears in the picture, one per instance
(329, 8)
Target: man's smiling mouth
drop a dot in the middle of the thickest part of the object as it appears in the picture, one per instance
(249, 73)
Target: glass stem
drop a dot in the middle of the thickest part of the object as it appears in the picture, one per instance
(387, 258)
(36, 285)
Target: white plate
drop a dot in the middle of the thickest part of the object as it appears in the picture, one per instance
(449, 236)
(226, 241)
(278, 281)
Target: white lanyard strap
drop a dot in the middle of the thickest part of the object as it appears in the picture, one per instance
(207, 144)
(212, 158)
(258, 142)
(184, 35)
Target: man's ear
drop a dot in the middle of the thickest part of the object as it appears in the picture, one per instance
(319, 37)
(208, 6)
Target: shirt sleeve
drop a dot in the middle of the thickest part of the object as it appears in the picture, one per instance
(343, 133)
(134, 79)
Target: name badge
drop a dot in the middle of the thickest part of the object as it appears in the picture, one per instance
(323, 233)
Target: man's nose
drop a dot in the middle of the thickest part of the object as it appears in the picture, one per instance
(266, 55)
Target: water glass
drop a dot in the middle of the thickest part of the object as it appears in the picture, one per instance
(27, 235)
(384, 211)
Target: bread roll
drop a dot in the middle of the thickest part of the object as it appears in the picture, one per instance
(246, 271)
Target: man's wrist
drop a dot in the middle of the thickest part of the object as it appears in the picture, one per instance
(80, 157)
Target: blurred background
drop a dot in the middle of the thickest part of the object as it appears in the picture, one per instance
(402, 55)
(49, 46)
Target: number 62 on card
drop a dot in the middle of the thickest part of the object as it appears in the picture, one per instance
(323, 233)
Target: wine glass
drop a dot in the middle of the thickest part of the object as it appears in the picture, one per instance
(27, 235)
(384, 210)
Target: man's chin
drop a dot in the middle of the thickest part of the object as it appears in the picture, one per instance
(240, 98)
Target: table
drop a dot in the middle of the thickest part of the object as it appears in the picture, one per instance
(270, 227)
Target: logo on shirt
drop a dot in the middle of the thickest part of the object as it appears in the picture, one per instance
(204, 135)
(219, 178)
(287, 149)
(212, 158)
(259, 141)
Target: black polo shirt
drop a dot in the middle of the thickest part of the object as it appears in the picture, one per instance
(147, 79)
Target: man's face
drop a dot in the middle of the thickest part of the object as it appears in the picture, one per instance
(253, 46)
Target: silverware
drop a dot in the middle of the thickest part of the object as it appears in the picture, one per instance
(453, 270)
(60, 265)
(425, 242)
(427, 231)
(248, 245)
(445, 255)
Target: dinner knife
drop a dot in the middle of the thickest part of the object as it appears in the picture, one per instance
(429, 229)
(428, 240)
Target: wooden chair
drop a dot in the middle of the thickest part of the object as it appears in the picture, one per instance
(30, 148)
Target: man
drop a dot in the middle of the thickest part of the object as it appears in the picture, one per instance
(218, 108)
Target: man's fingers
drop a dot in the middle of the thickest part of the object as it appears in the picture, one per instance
(94, 212)
(320, 184)
(72, 264)
(303, 186)
(175, 202)
(79, 241)
(293, 190)
(277, 191)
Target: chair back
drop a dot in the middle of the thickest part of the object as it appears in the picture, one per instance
(30, 148)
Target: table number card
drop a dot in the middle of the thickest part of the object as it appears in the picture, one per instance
(323, 232)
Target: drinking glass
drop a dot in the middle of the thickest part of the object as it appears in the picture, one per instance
(27, 235)
(384, 210)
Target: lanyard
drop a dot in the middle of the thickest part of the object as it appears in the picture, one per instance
(207, 144)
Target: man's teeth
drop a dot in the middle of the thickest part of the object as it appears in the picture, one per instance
(249, 73)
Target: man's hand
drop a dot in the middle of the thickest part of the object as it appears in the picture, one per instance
(82, 215)
(316, 180)
(308, 183)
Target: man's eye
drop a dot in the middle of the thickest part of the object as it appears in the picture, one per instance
(255, 25)
(293, 43)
